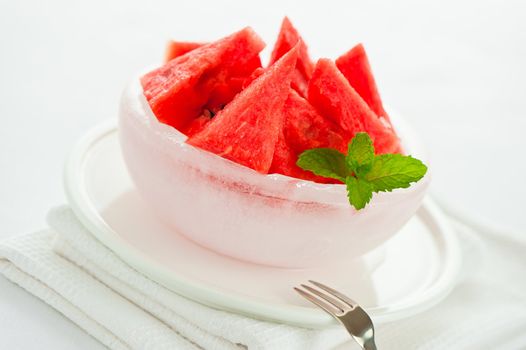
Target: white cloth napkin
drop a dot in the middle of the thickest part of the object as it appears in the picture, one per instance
(487, 308)
(71, 271)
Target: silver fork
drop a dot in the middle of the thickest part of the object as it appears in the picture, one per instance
(344, 309)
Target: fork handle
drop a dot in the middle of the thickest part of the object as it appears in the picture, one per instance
(369, 345)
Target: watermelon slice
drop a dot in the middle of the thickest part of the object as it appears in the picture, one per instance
(246, 130)
(255, 74)
(178, 91)
(355, 67)
(332, 95)
(304, 128)
(175, 49)
(199, 123)
(288, 37)
(284, 162)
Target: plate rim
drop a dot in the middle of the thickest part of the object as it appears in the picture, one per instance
(308, 317)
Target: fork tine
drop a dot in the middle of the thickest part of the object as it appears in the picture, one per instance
(331, 310)
(333, 301)
(335, 293)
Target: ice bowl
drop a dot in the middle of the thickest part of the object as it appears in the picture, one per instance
(264, 219)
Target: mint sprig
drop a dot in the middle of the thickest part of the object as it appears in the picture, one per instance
(326, 162)
(360, 154)
(361, 170)
(359, 191)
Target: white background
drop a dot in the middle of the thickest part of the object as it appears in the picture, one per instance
(455, 69)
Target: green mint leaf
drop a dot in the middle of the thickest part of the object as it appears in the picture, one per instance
(361, 170)
(390, 171)
(360, 154)
(359, 192)
(326, 162)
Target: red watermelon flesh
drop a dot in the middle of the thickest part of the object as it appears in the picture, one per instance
(229, 83)
(356, 68)
(304, 128)
(175, 49)
(284, 162)
(179, 48)
(255, 74)
(288, 37)
(299, 83)
(246, 130)
(332, 95)
(199, 123)
(178, 91)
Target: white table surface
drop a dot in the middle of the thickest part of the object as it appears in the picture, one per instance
(457, 70)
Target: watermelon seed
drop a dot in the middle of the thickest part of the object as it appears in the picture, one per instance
(208, 113)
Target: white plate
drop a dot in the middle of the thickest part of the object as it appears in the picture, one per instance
(409, 273)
